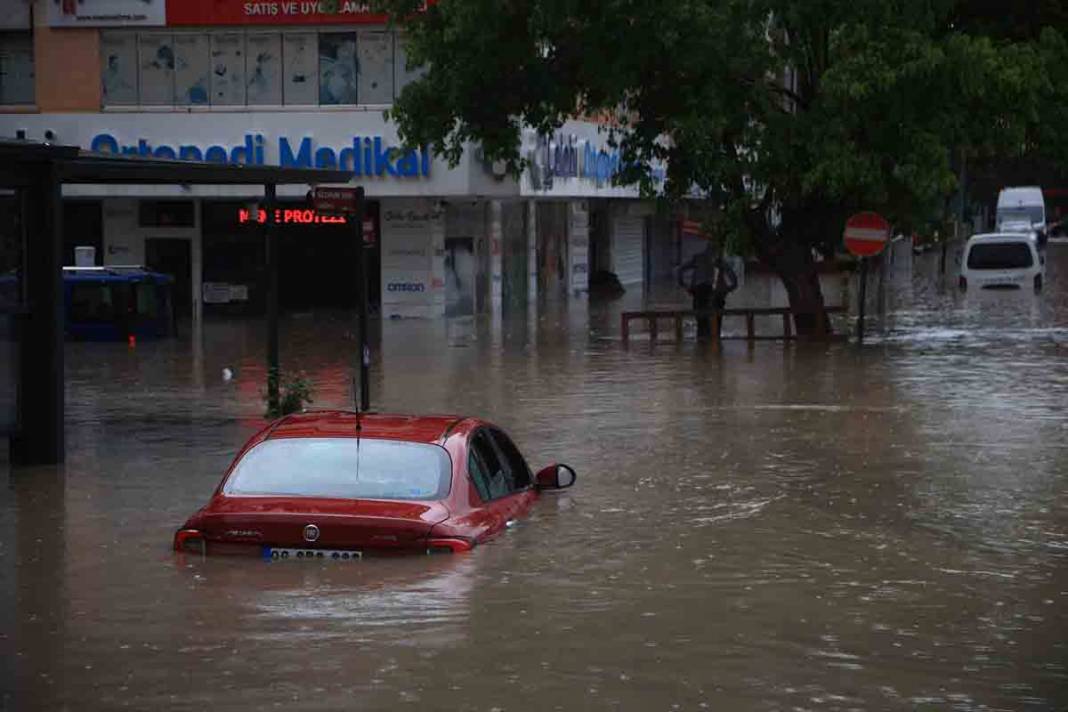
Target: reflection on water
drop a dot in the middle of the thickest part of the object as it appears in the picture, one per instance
(754, 527)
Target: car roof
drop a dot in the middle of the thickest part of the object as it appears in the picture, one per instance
(1001, 237)
(342, 424)
(1019, 194)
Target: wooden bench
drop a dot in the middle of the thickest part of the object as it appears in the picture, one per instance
(653, 317)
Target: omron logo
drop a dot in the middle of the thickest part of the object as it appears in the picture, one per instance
(405, 287)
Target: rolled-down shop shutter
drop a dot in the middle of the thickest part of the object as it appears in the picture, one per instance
(628, 249)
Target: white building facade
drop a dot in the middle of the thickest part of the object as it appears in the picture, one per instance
(211, 80)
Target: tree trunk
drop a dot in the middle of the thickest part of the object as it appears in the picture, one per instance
(797, 270)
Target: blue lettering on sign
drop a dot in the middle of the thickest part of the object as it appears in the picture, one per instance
(366, 156)
(405, 287)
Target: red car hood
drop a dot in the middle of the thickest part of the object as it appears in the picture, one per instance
(342, 523)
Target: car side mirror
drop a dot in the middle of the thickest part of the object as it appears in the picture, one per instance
(555, 477)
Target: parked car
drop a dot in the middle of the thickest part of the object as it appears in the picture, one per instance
(1002, 260)
(337, 485)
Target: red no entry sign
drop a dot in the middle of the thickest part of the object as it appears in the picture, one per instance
(866, 234)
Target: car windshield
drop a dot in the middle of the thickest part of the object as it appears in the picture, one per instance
(1030, 214)
(1000, 255)
(339, 468)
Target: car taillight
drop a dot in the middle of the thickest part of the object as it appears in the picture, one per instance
(189, 540)
(449, 545)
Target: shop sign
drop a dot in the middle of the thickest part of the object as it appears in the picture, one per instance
(106, 13)
(405, 287)
(304, 216)
(366, 156)
(291, 216)
(334, 201)
(271, 12)
(567, 156)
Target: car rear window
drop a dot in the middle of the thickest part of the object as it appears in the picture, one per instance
(1000, 255)
(342, 468)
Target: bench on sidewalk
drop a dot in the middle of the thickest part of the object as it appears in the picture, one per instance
(652, 318)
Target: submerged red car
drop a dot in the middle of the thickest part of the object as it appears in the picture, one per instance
(337, 485)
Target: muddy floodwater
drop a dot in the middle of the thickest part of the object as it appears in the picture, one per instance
(767, 527)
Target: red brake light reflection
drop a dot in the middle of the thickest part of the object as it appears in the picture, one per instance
(450, 545)
(189, 540)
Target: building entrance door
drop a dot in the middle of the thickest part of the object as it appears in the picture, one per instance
(173, 256)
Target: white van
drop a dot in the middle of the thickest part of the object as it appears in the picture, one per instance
(1022, 210)
(1002, 260)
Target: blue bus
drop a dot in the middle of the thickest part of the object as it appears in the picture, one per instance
(115, 303)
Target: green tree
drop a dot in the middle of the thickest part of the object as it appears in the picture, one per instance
(783, 115)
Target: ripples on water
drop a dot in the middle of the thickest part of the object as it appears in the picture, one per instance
(767, 527)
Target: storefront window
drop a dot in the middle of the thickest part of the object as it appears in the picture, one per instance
(264, 68)
(403, 75)
(376, 68)
(157, 69)
(228, 69)
(16, 68)
(338, 68)
(234, 67)
(118, 58)
(192, 69)
(301, 59)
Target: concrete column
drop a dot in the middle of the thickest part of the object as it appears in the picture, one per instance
(495, 233)
(532, 252)
(40, 438)
(578, 247)
(197, 256)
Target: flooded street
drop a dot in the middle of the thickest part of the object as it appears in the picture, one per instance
(755, 527)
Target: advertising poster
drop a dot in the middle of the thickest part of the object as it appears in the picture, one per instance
(408, 231)
(264, 68)
(270, 12)
(192, 76)
(227, 70)
(376, 67)
(118, 71)
(301, 71)
(338, 68)
(106, 13)
(157, 70)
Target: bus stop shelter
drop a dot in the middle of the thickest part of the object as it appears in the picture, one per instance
(36, 173)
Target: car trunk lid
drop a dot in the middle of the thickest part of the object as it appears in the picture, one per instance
(320, 523)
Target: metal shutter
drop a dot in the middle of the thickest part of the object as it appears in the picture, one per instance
(628, 249)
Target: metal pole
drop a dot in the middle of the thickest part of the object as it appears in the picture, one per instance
(361, 304)
(271, 240)
(863, 298)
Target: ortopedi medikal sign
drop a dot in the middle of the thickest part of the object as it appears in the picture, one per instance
(368, 156)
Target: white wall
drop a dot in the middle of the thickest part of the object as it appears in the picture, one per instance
(124, 241)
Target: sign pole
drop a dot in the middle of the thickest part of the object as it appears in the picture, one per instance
(863, 298)
(270, 234)
(866, 235)
(361, 303)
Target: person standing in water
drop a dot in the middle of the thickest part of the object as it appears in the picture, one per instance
(711, 279)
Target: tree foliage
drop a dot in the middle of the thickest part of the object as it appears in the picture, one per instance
(786, 115)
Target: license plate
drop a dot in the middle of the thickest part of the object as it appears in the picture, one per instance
(276, 554)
